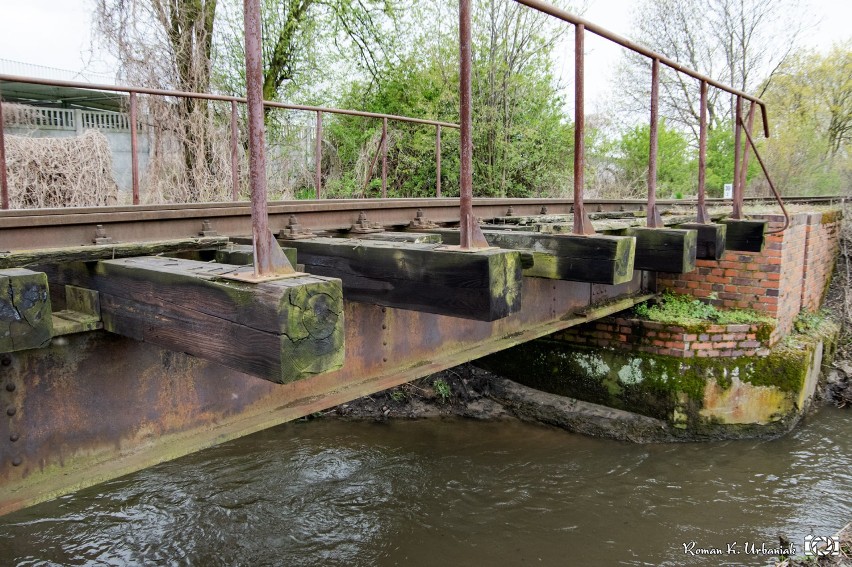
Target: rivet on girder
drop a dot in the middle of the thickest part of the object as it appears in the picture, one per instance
(10, 411)
(16, 462)
(510, 211)
(207, 229)
(543, 210)
(14, 437)
(101, 235)
(6, 360)
(10, 387)
(294, 230)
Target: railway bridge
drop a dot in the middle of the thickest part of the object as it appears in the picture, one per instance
(130, 335)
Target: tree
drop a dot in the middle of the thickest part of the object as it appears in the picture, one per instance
(811, 101)
(140, 33)
(522, 143)
(674, 161)
(741, 43)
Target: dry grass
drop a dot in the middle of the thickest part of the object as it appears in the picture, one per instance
(60, 172)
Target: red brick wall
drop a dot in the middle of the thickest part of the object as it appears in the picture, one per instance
(658, 338)
(790, 274)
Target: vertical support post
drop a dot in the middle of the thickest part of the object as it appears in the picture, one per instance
(582, 224)
(746, 148)
(235, 157)
(257, 152)
(134, 142)
(384, 157)
(737, 211)
(438, 161)
(653, 214)
(702, 216)
(318, 155)
(4, 182)
(471, 235)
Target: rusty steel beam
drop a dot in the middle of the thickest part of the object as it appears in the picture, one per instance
(4, 182)
(471, 234)
(702, 216)
(235, 156)
(134, 147)
(93, 407)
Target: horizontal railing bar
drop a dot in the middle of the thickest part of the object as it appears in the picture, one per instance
(565, 16)
(215, 97)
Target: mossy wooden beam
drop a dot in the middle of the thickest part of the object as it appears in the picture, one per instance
(415, 237)
(82, 312)
(483, 285)
(664, 249)
(595, 259)
(25, 310)
(281, 330)
(745, 235)
(710, 243)
(24, 258)
(238, 252)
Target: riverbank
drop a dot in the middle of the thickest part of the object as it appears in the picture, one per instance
(838, 552)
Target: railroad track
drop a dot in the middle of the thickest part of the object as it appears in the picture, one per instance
(34, 229)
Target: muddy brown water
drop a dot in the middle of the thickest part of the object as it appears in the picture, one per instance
(452, 492)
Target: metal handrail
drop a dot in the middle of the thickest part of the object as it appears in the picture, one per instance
(581, 222)
(234, 100)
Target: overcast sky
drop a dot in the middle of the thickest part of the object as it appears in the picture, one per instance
(56, 33)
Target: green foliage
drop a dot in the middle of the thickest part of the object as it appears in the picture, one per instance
(809, 151)
(442, 389)
(674, 160)
(521, 139)
(398, 395)
(807, 322)
(684, 310)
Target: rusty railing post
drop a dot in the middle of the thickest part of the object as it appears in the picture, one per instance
(134, 156)
(471, 235)
(653, 214)
(768, 180)
(235, 156)
(384, 157)
(701, 215)
(318, 156)
(582, 224)
(4, 182)
(746, 147)
(266, 261)
(737, 210)
(438, 161)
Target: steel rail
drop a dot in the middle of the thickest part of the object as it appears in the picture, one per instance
(32, 229)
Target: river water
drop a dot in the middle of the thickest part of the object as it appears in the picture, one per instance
(449, 493)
